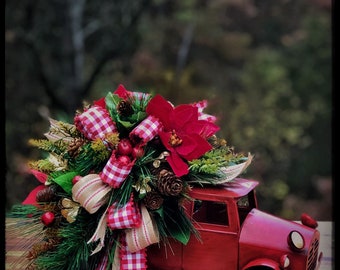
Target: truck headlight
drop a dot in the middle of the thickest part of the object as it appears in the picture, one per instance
(284, 261)
(296, 241)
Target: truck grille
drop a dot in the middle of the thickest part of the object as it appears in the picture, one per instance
(313, 255)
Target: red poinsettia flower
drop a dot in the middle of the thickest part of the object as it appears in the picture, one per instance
(183, 134)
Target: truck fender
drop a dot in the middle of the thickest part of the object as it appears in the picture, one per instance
(263, 263)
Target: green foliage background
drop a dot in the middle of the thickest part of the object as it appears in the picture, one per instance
(264, 66)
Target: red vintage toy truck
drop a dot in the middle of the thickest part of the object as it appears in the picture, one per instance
(235, 234)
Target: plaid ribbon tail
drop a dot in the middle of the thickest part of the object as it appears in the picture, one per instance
(201, 105)
(131, 260)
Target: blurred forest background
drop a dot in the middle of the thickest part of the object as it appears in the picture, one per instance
(265, 67)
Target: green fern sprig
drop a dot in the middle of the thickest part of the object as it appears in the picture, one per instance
(213, 160)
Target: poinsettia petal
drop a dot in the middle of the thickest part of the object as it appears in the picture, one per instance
(162, 109)
(187, 146)
(209, 129)
(202, 127)
(100, 102)
(42, 177)
(122, 92)
(31, 198)
(202, 146)
(183, 115)
(177, 164)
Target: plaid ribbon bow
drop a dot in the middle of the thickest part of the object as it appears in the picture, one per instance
(147, 129)
(95, 123)
(114, 173)
(127, 216)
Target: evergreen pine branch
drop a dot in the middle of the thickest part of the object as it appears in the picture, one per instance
(87, 160)
(73, 252)
(122, 195)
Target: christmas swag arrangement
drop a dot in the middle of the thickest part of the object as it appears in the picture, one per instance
(114, 181)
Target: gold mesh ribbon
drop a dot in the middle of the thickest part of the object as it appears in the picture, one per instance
(144, 235)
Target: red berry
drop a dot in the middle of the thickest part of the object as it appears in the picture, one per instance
(125, 160)
(124, 147)
(137, 152)
(47, 218)
(76, 179)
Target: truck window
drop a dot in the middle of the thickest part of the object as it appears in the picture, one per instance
(245, 204)
(210, 212)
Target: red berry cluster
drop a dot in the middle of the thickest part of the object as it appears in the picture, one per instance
(127, 151)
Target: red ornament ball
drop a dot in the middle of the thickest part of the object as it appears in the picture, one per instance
(125, 160)
(137, 152)
(124, 147)
(47, 218)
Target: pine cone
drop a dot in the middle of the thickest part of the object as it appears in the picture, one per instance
(155, 170)
(153, 200)
(168, 184)
(47, 194)
(124, 108)
(74, 146)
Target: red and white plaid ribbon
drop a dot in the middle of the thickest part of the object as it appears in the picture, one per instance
(127, 216)
(131, 260)
(95, 123)
(115, 172)
(147, 129)
(201, 105)
(125, 94)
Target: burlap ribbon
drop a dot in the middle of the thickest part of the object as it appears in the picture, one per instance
(144, 235)
(90, 192)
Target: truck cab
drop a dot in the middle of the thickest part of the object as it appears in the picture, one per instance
(236, 235)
